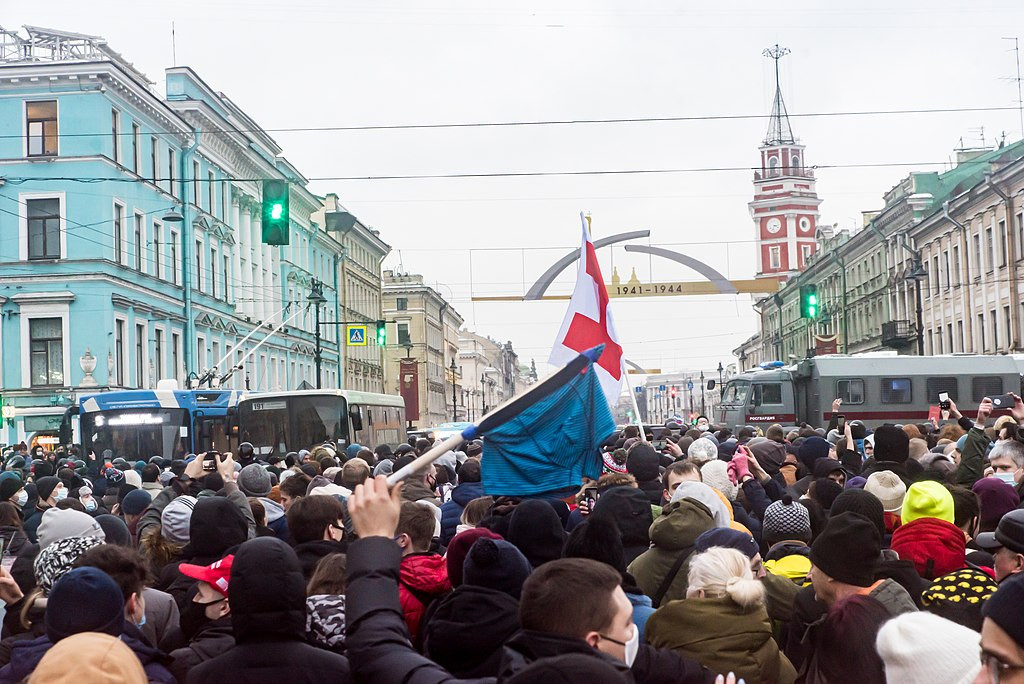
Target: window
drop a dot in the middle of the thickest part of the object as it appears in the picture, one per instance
(227, 277)
(213, 272)
(119, 353)
(138, 242)
(979, 263)
(224, 201)
(1002, 243)
(154, 157)
(115, 131)
(774, 257)
(960, 335)
(1007, 326)
(937, 274)
(158, 352)
(995, 330)
(175, 355)
(949, 335)
(402, 303)
(956, 266)
(850, 391)
(896, 391)
(43, 228)
(158, 257)
(170, 173)
(1019, 229)
(990, 248)
(201, 352)
(805, 254)
(46, 343)
(195, 182)
(215, 352)
(986, 386)
(209, 192)
(199, 266)
(136, 150)
(403, 333)
(41, 128)
(981, 332)
(118, 233)
(173, 266)
(767, 393)
(933, 386)
(140, 338)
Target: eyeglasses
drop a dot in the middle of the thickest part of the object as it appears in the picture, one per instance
(997, 668)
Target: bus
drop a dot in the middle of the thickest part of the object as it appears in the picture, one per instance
(167, 421)
(278, 422)
(875, 388)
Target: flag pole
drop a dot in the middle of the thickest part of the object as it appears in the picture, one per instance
(632, 396)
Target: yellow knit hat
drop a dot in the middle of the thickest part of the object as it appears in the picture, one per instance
(927, 500)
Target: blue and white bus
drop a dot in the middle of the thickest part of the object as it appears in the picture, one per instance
(167, 421)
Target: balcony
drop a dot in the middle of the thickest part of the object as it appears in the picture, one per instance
(898, 334)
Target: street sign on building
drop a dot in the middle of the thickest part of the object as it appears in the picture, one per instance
(356, 336)
(689, 385)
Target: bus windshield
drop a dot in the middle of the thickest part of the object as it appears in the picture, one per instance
(136, 433)
(736, 392)
(283, 424)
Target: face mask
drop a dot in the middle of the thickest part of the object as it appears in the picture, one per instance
(632, 646)
(141, 623)
(22, 498)
(60, 494)
(193, 618)
(91, 505)
(1007, 478)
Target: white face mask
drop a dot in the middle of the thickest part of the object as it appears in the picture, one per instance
(632, 646)
(1008, 478)
(22, 498)
(60, 494)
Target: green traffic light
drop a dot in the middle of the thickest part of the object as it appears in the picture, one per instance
(812, 299)
(277, 211)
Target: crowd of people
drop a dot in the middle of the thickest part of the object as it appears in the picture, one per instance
(819, 555)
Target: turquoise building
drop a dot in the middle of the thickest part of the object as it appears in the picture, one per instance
(130, 236)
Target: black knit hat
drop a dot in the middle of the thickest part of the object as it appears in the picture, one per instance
(891, 444)
(496, 564)
(1003, 608)
(596, 539)
(45, 487)
(9, 487)
(848, 549)
(863, 503)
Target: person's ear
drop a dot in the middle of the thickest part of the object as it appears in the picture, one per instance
(223, 608)
(592, 639)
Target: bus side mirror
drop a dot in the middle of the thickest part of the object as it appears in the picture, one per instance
(357, 418)
(711, 384)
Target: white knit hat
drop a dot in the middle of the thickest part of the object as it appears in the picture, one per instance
(889, 488)
(923, 648)
(716, 474)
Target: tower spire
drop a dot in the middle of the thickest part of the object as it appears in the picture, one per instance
(779, 130)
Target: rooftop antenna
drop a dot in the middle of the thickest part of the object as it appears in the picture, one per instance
(174, 47)
(1020, 99)
(779, 130)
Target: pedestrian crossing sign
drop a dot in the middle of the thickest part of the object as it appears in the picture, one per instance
(356, 336)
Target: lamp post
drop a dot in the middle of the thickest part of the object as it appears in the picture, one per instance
(702, 409)
(455, 409)
(721, 369)
(316, 298)
(917, 274)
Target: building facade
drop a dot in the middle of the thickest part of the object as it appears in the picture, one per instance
(135, 248)
(491, 372)
(355, 275)
(867, 281)
(422, 346)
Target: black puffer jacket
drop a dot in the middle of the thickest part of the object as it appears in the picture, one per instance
(630, 510)
(212, 639)
(268, 613)
(466, 630)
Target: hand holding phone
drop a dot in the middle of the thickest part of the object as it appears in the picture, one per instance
(590, 496)
(944, 401)
(1003, 401)
(841, 423)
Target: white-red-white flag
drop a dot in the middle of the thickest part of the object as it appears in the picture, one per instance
(588, 323)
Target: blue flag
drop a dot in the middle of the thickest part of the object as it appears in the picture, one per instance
(553, 442)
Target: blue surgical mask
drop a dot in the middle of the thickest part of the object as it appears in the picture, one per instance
(141, 623)
(60, 494)
(1007, 478)
(90, 505)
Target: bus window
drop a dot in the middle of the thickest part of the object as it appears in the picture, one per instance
(896, 391)
(850, 391)
(934, 386)
(767, 394)
(986, 386)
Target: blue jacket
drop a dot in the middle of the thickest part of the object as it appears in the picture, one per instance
(451, 511)
(642, 609)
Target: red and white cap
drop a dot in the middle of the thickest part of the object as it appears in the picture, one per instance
(216, 574)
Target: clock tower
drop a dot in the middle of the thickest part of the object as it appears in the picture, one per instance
(785, 204)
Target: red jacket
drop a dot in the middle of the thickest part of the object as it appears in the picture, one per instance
(422, 577)
(935, 546)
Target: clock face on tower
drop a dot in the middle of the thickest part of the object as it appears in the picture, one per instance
(774, 225)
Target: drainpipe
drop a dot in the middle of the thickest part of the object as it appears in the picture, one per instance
(341, 331)
(186, 256)
(1011, 265)
(964, 278)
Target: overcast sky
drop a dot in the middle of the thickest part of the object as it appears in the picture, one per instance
(313, 63)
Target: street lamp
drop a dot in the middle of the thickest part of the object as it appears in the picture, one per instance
(316, 298)
(703, 411)
(721, 369)
(917, 274)
(453, 368)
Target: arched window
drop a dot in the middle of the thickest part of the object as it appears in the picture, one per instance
(795, 161)
(773, 165)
